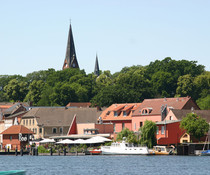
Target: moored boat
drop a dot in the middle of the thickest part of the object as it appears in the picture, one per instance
(123, 148)
(16, 172)
(205, 153)
(95, 152)
(162, 150)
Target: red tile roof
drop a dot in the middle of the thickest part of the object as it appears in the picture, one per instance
(155, 104)
(84, 105)
(108, 114)
(16, 129)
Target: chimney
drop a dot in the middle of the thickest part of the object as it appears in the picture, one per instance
(165, 99)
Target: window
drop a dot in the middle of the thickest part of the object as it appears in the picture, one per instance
(10, 138)
(162, 130)
(23, 122)
(61, 130)
(157, 130)
(114, 126)
(29, 122)
(115, 113)
(124, 113)
(54, 130)
(26, 122)
(135, 126)
(171, 117)
(123, 125)
(140, 124)
(33, 121)
(40, 130)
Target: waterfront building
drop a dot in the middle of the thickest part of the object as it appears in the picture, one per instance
(169, 132)
(120, 115)
(16, 136)
(46, 122)
(11, 115)
(157, 109)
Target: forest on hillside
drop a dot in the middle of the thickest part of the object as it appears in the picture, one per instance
(165, 78)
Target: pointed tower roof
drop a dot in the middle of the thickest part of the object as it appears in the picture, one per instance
(70, 58)
(96, 70)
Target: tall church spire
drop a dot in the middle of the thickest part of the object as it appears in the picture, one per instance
(71, 58)
(96, 70)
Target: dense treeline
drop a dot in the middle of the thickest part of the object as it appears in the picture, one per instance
(166, 78)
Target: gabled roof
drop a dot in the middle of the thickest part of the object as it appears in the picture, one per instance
(180, 114)
(16, 129)
(63, 116)
(155, 104)
(108, 114)
(19, 114)
(13, 109)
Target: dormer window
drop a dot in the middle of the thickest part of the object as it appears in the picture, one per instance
(124, 113)
(115, 113)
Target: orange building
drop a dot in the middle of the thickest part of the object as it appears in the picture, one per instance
(120, 115)
(157, 109)
(16, 136)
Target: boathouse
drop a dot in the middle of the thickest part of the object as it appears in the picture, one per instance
(16, 136)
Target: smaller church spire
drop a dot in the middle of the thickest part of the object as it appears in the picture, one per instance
(96, 70)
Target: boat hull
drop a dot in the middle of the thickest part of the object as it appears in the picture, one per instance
(125, 151)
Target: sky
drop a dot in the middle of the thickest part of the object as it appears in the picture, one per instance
(33, 34)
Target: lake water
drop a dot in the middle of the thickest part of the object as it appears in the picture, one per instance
(107, 164)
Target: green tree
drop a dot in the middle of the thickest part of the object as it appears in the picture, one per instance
(35, 91)
(147, 134)
(16, 90)
(185, 86)
(194, 125)
(129, 135)
(204, 103)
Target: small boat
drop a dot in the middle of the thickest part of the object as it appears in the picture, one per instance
(123, 148)
(162, 150)
(15, 172)
(205, 153)
(95, 152)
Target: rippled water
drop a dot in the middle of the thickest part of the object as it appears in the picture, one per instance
(107, 164)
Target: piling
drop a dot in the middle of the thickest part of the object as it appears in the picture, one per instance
(64, 151)
(16, 153)
(21, 152)
(51, 152)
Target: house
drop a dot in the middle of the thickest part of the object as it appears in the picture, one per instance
(176, 114)
(10, 116)
(57, 121)
(120, 115)
(157, 109)
(169, 132)
(16, 136)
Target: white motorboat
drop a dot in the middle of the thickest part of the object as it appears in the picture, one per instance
(123, 148)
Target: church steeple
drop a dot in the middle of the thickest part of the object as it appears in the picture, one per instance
(70, 58)
(96, 70)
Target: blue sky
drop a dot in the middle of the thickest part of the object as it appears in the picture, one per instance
(33, 34)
